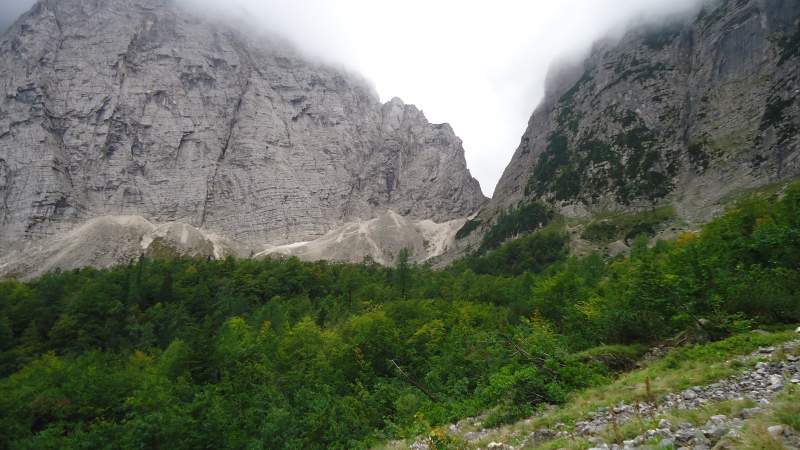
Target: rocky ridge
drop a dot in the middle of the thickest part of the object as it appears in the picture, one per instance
(143, 108)
(687, 114)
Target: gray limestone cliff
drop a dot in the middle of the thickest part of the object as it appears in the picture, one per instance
(119, 108)
(685, 114)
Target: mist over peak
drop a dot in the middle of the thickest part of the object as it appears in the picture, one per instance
(477, 66)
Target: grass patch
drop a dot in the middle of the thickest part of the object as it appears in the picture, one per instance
(627, 226)
(765, 191)
(629, 430)
(733, 143)
(565, 443)
(699, 416)
(757, 437)
(784, 410)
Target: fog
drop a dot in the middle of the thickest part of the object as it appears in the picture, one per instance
(10, 10)
(477, 65)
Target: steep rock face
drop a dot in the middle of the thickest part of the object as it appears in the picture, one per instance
(686, 114)
(137, 107)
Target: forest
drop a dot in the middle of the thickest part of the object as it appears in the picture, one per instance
(280, 353)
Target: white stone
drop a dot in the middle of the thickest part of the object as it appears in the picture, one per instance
(718, 419)
(775, 430)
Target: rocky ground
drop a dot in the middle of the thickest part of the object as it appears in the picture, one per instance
(776, 368)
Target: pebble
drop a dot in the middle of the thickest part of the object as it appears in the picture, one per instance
(775, 430)
(749, 413)
(733, 434)
(718, 419)
(474, 436)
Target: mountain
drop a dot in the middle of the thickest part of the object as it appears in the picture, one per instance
(684, 116)
(121, 108)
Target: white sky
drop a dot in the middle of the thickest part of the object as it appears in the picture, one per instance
(478, 65)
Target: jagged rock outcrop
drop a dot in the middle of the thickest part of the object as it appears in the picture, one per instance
(139, 107)
(688, 114)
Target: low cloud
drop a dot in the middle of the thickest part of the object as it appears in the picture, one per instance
(480, 66)
(10, 10)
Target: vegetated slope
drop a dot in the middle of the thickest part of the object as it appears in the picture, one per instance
(741, 392)
(684, 114)
(142, 108)
(196, 353)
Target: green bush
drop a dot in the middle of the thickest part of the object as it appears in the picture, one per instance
(468, 228)
(531, 253)
(616, 358)
(627, 226)
(516, 221)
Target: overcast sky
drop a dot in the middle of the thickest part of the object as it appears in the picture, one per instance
(479, 65)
